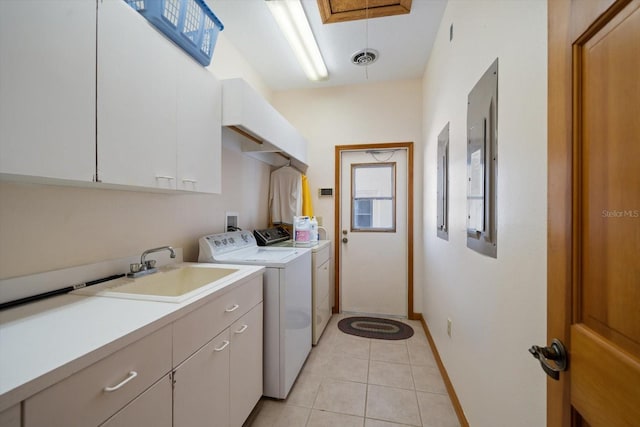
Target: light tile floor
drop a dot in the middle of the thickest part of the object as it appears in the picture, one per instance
(350, 381)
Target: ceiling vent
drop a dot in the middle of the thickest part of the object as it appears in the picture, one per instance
(364, 57)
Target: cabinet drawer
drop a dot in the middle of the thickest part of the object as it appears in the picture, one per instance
(197, 328)
(83, 398)
(321, 257)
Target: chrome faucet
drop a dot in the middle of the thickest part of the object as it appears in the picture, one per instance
(150, 251)
(148, 266)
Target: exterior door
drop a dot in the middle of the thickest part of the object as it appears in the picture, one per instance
(373, 231)
(594, 210)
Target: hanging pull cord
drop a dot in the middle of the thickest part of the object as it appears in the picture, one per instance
(366, 33)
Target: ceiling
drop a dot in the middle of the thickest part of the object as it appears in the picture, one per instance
(403, 41)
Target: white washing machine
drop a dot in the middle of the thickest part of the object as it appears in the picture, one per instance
(287, 302)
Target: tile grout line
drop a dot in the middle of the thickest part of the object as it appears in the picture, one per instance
(366, 389)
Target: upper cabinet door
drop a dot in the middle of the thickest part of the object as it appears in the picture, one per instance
(136, 107)
(199, 129)
(47, 88)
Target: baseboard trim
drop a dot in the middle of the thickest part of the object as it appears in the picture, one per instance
(447, 382)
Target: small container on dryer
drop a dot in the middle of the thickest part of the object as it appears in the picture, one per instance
(301, 230)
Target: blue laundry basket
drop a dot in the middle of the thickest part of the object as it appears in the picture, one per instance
(189, 23)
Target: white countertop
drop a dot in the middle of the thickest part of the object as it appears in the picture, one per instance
(44, 342)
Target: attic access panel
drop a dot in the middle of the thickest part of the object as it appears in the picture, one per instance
(482, 164)
(333, 11)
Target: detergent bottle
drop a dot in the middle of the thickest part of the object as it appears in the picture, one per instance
(313, 229)
(302, 229)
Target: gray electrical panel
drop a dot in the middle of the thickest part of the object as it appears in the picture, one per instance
(482, 164)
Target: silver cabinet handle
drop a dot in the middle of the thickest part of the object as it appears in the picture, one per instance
(233, 308)
(192, 181)
(165, 177)
(242, 329)
(131, 376)
(225, 343)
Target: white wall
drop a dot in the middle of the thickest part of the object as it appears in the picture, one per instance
(47, 227)
(358, 114)
(498, 306)
(228, 63)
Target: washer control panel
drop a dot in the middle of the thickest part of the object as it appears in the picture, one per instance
(218, 244)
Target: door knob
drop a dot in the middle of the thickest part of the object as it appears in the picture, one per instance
(553, 358)
(344, 232)
(345, 240)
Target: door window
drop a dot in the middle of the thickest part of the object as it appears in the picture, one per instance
(373, 203)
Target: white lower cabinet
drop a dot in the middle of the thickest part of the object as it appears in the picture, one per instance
(245, 387)
(151, 408)
(220, 384)
(321, 284)
(10, 417)
(92, 395)
(201, 386)
(180, 375)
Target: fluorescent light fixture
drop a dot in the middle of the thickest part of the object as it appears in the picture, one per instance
(294, 25)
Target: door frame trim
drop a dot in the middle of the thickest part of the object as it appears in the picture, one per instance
(410, 204)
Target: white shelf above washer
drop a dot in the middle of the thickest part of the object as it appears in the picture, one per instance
(266, 134)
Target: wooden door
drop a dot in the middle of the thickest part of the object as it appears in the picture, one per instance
(594, 210)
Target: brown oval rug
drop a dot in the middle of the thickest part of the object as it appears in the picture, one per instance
(375, 327)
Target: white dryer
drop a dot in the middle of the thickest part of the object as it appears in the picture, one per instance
(287, 302)
(320, 283)
(320, 273)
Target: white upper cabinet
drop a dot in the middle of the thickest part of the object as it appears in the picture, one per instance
(158, 110)
(137, 75)
(147, 116)
(199, 123)
(47, 89)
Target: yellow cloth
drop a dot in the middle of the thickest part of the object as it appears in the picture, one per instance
(307, 207)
